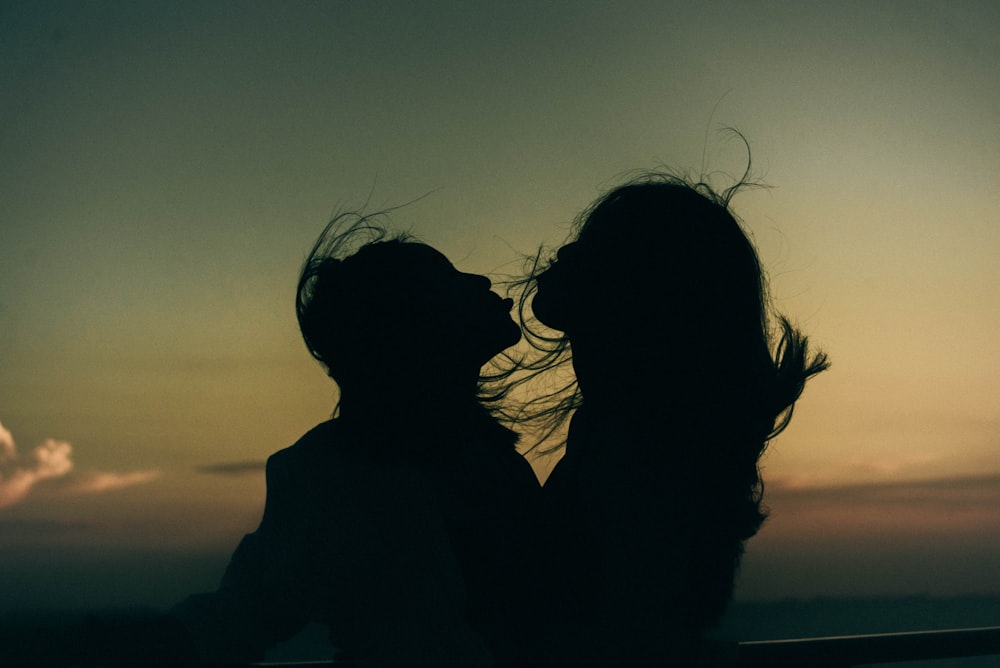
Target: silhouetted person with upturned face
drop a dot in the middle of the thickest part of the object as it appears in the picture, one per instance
(400, 523)
(680, 385)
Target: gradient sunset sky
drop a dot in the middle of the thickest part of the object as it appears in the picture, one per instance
(164, 170)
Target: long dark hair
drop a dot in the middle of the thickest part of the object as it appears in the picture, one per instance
(792, 362)
(720, 379)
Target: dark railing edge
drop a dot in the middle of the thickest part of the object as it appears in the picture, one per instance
(291, 664)
(858, 650)
(831, 651)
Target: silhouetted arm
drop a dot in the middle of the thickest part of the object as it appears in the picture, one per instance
(258, 602)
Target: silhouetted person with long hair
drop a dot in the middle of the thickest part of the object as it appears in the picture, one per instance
(401, 523)
(680, 382)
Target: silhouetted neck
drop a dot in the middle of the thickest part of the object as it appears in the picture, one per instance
(427, 426)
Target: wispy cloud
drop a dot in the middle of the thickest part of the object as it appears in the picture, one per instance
(967, 506)
(53, 460)
(985, 486)
(890, 469)
(234, 468)
(894, 465)
(102, 481)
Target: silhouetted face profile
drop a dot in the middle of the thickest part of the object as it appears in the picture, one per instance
(396, 317)
(658, 278)
(562, 293)
(461, 315)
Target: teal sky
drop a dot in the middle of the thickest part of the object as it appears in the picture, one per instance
(164, 170)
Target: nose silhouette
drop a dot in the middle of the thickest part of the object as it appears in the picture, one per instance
(479, 280)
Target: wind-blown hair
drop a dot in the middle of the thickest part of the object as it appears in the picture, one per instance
(363, 317)
(336, 286)
(671, 283)
(791, 361)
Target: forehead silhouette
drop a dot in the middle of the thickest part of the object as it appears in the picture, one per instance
(666, 229)
(397, 275)
(654, 213)
(401, 262)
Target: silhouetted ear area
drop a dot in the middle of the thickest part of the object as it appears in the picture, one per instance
(317, 313)
(360, 312)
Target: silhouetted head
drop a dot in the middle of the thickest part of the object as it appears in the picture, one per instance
(394, 322)
(660, 286)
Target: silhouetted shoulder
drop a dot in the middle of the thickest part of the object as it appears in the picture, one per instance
(324, 433)
(315, 442)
